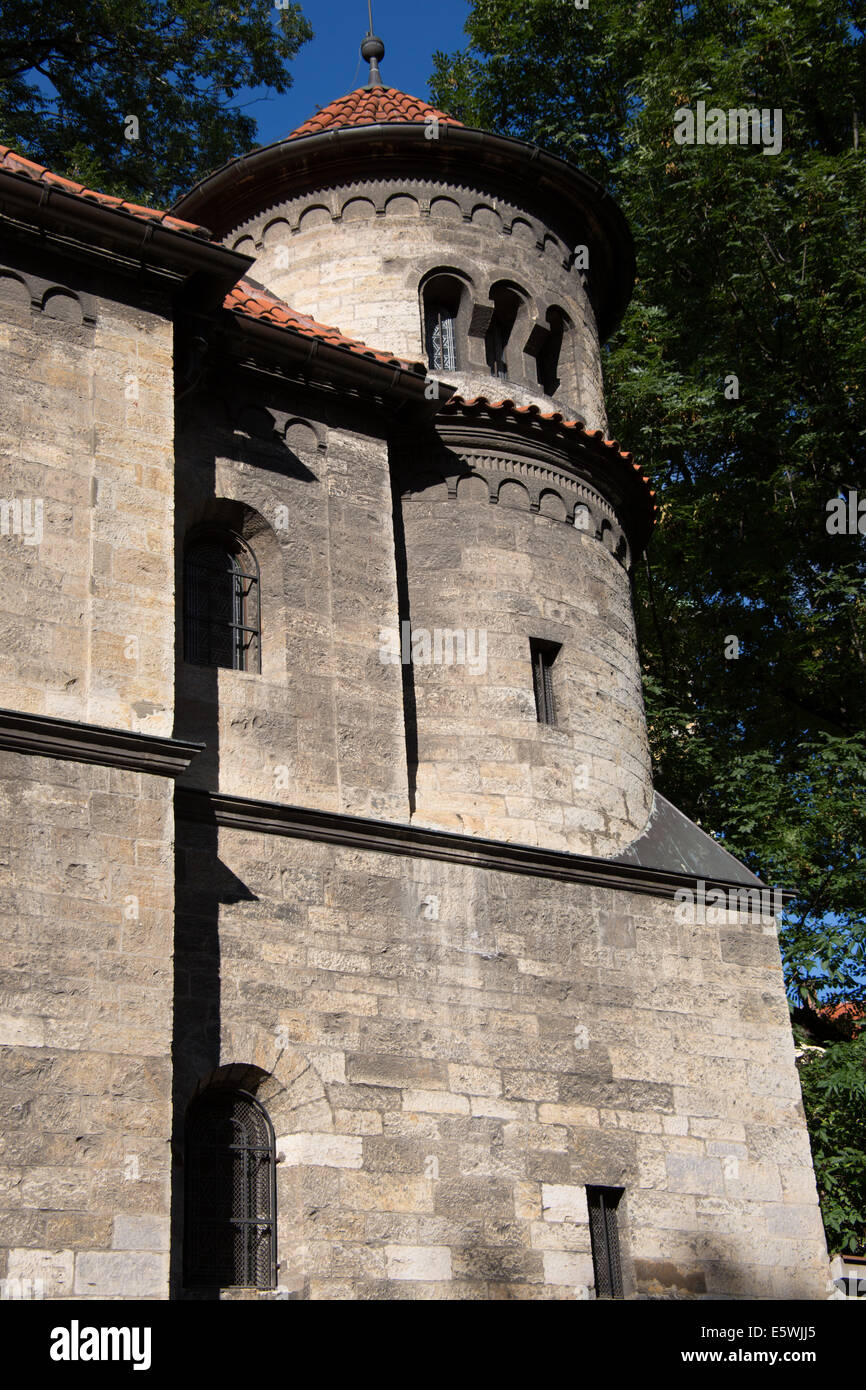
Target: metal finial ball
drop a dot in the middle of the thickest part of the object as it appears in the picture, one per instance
(372, 47)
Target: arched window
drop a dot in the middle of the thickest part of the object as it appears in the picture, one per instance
(230, 1205)
(506, 304)
(442, 298)
(221, 602)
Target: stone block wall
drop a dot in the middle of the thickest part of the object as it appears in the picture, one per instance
(86, 448)
(85, 1027)
(450, 1055)
(503, 574)
(322, 725)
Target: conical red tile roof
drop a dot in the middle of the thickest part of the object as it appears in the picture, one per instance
(372, 106)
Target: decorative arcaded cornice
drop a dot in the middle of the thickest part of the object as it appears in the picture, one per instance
(499, 437)
(583, 506)
(44, 736)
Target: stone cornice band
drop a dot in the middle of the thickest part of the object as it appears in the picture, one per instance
(422, 842)
(45, 736)
(49, 737)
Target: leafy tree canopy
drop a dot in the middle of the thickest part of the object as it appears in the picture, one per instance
(73, 71)
(750, 266)
(834, 1095)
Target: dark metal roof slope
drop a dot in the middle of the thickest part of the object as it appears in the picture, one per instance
(672, 842)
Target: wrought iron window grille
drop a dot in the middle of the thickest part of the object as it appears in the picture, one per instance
(604, 1235)
(441, 339)
(230, 1198)
(221, 603)
(544, 655)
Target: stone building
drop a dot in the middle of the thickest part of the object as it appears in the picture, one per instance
(346, 949)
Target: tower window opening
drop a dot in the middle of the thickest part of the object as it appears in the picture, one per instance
(441, 338)
(221, 603)
(230, 1204)
(547, 361)
(506, 305)
(442, 298)
(604, 1235)
(544, 654)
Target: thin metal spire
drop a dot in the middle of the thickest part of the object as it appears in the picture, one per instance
(373, 51)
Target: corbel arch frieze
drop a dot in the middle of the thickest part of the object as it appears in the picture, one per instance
(280, 429)
(553, 492)
(49, 298)
(396, 197)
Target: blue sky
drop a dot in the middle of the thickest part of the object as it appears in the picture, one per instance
(330, 65)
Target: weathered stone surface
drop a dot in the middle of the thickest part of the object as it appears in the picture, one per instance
(564, 1204)
(141, 1233)
(54, 1269)
(128, 1273)
(422, 1263)
(564, 1267)
(322, 1150)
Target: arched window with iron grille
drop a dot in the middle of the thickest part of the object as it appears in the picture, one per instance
(442, 298)
(221, 602)
(230, 1202)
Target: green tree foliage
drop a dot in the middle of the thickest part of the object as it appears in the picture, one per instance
(72, 71)
(750, 265)
(834, 1095)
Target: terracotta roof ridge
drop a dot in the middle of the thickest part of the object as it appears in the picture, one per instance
(15, 163)
(509, 407)
(255, 301)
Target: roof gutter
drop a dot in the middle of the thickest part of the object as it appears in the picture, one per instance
(145, 243)
(400, 389)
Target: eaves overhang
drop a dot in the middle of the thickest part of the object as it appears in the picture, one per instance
(547, 435)
(400, 388)
(562, 195)
(133, 242)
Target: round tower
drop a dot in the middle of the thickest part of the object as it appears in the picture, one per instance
(516, 521)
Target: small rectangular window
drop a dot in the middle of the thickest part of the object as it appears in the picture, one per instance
(543, 656)
(602, 1203)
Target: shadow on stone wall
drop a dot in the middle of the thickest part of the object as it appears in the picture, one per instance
(202, 881)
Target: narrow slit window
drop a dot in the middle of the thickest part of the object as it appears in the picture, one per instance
(544, 654)
(604, 1234)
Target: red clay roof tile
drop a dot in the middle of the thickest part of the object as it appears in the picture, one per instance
(508, 407)
(17, 164)
(372, 106)
(255, 302)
